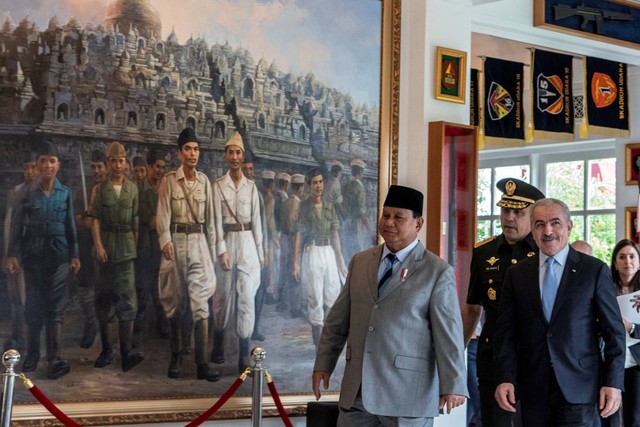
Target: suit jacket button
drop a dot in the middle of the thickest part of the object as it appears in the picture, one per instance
(370, 328)
(375, 306)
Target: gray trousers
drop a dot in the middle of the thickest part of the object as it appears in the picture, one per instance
(358, 416)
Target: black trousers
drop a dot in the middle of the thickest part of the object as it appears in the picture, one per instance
(631, 397)
(557, 412)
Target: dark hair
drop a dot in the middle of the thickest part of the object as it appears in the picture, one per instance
(635, 281)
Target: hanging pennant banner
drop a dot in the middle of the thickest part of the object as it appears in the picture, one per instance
(552, 95)
(607, 102)
(474, 106)
(503, 114)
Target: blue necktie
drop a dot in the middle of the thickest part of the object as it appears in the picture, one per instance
(549, 288)
(391, 259)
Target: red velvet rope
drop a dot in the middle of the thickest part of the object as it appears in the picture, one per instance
(278, 402)
(51, 407)
(68, 422)
(223, 399)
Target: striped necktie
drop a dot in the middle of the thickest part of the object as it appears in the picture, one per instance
(391, 259)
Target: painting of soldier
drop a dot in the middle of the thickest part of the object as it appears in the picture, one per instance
(318, 261)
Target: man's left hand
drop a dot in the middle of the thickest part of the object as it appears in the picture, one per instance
(451, 401)
(74, 265)
(610, 399)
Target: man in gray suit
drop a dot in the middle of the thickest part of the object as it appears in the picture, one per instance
(398, 314)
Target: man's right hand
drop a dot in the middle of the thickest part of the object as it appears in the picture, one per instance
(225, 261)
(167, 251)
(506, 397)
(315, 382)
(11, 265)
(296, 271)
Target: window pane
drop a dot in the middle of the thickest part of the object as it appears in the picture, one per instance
(602, 184)
(497, 227)
(565, 181)
(602, 235)
(484, 192)
(520, 172)
(484, 230)
(577, 233)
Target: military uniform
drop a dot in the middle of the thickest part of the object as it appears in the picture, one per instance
(118, 216)
(490, 261)
(242, 239)
(185, 219)
(114, 206)
(190, 276)
(43, 236)
(319, 275)
(240, 244)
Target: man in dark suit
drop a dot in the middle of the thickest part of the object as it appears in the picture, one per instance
(555, 306)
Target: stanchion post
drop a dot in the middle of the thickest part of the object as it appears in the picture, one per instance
(257, 354)
(10, 358)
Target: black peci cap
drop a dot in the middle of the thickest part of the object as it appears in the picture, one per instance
(187, 135)
(517, 194)
(47, 148)
(404, 198)
(98, 156)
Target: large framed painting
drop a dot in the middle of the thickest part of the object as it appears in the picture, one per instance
(611, 21)
(308, 84)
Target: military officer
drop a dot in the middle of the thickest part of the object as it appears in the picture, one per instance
(318, 261)
(44, 243)
(241, 255)
(185, 224)
(115, 230)
(489, 263)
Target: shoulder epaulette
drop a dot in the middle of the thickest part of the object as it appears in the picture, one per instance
(173, 172)
(485, 241)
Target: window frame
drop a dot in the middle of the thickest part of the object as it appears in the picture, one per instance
(537, 157)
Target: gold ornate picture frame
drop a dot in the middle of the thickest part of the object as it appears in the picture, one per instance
(630, 223)
(631, 158)
(451, 72)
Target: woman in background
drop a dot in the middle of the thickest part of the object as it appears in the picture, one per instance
(625, 263)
